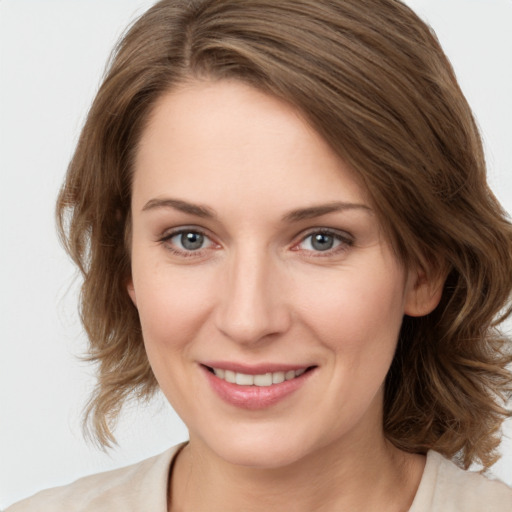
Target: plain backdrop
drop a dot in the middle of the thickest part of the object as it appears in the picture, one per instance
(52, 55)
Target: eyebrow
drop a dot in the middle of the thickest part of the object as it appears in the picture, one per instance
(323, 209)
(290, 217)
(182, 206)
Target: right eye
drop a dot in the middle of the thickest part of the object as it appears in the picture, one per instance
(186, 242)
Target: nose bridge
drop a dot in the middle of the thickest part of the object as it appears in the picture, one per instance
(251, 306)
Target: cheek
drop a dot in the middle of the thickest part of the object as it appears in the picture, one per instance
(173, 307)
(357, 319)
(171, 303)
(355, 311)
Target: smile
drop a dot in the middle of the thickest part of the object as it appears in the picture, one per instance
(255, 388)
(262, 380)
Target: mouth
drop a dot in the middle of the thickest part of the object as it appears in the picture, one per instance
(266, 379)
(256, 388)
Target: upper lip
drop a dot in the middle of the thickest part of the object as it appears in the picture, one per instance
(254, 369)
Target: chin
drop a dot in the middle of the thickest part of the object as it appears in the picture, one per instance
(263, 458)
(265, 450)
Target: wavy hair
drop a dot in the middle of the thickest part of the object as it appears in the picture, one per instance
(372, 79)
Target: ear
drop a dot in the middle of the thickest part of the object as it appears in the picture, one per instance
(131, 291)
(424, 291)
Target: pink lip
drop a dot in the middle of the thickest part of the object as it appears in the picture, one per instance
(254, 397)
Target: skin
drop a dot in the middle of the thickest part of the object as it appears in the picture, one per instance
(259, 291)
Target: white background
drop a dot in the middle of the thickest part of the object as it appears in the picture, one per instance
(52, 54)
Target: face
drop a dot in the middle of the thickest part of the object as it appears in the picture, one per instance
(270, 301)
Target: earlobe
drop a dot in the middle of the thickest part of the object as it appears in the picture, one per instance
(131, 291)
(424, 293)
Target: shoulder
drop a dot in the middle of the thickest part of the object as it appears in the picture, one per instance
(447, 488)
(141, 486)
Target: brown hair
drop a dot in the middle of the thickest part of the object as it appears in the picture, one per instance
(372, 79)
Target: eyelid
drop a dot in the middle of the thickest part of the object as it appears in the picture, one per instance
(168, 234)
(346, 240)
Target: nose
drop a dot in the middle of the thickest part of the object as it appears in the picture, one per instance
(252, 308)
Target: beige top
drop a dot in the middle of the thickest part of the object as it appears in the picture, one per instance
(143, 488)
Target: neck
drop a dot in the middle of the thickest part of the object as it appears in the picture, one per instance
(355, 476)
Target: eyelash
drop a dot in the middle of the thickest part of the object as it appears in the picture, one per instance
(185, 253)
(345, 241)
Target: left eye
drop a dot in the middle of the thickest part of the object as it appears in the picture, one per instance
(189, 240)
(322, 242)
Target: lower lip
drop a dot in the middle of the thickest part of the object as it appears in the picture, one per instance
(255, 397)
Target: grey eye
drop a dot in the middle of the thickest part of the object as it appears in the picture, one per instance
(187, 242)
(322, 241)
(191, 240)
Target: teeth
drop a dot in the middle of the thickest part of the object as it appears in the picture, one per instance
(279, 377)
(243, 379)
(263, 380)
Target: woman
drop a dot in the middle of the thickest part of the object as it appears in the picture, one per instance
(283, 222)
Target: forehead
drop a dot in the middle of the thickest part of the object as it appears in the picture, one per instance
(206, 139)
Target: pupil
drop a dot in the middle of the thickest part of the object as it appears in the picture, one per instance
(322, 242)
(192, 241)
